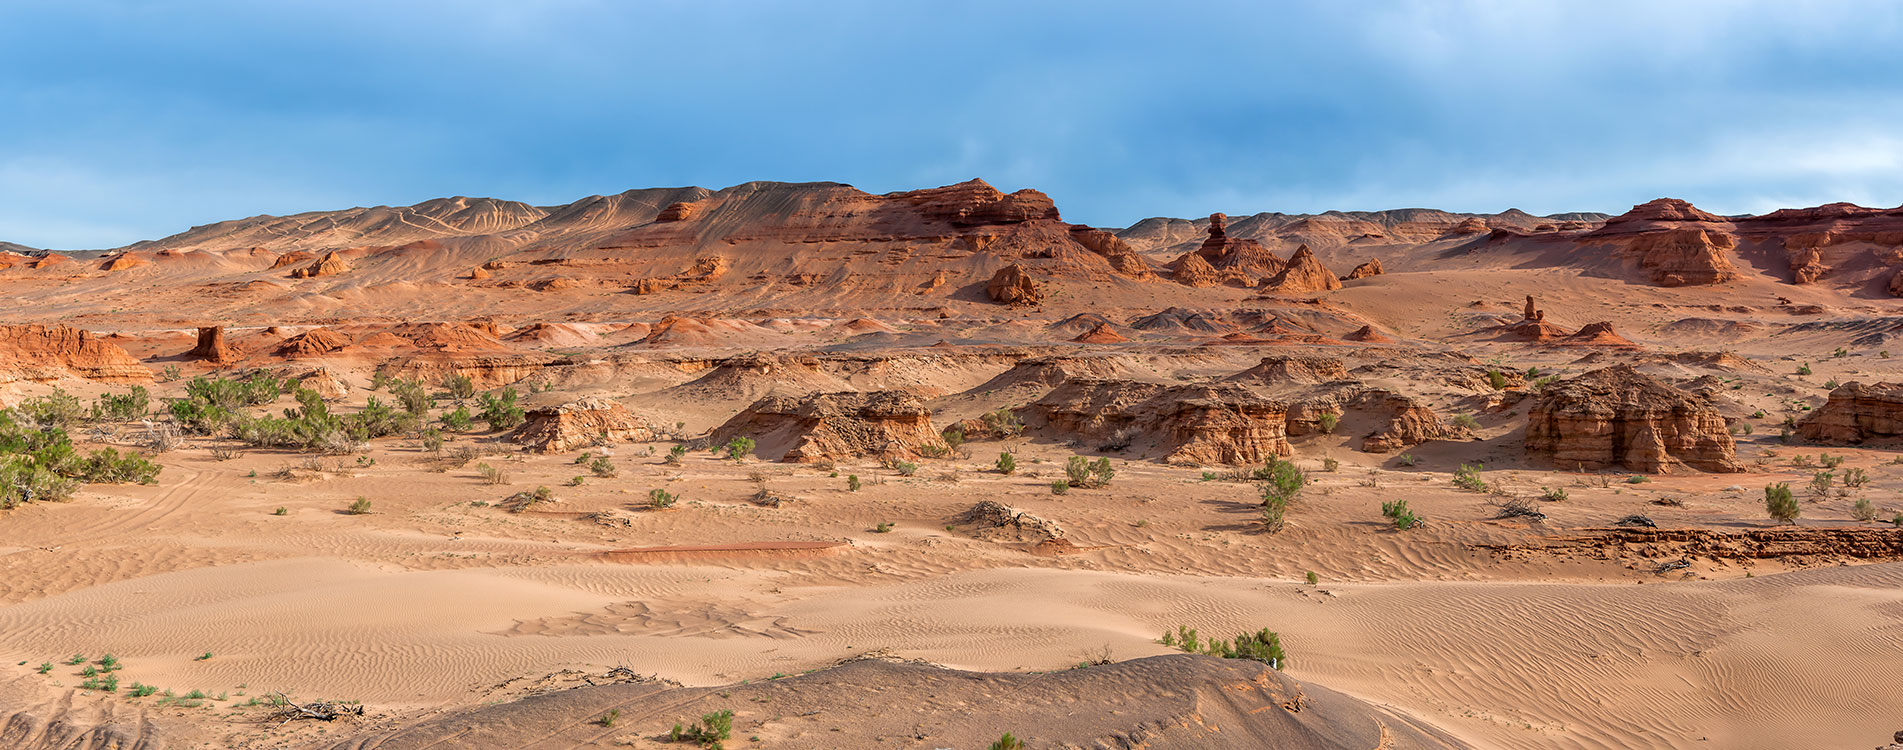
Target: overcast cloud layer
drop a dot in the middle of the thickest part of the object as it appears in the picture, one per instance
(122, 121)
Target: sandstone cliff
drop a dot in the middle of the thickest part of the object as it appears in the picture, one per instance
(1620, 417)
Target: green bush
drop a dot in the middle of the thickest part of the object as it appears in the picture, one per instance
(1263, 645)
(1467, 477)
(1397, 513)
(459, 387)
(361, 506)
(1083, 472)
(661, 499)
(1327, 422)
(459, 419)
(1497, 379)
(1008, 742)
(738, 448)
(1003, 422)
(852, 483)
(713, 729)
(126, 407)
(1059, 487)
(600, 466)
(1007, 463)
(500, 410)
(1780, 504)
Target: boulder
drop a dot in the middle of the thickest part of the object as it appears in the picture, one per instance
(1012, 285)
(1896, 283)
(1185, 424)
(42, 353)
(1856, 412)
(1409, 423)
(579, 424)
(827, 426)
(1620, 417)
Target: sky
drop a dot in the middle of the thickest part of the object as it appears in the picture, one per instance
(127, 120)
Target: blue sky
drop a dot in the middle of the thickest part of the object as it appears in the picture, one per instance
(129, 120)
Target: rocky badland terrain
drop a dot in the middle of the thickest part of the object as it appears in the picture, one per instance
(812, 467)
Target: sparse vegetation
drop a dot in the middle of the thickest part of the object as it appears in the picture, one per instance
(1059, 487)
(1397, 513)
(601, 467)
(883, 527)
(1553, 494)
(459, 387)
(1008, 742)
(491, 474)
(1007, 463)
(1468, 477)
(358, 507)
(1083, 472)
(1263, 645)
(1003, 422)
(527, 499)
(1312, 578)
(1466, 421)
(661, 499)
(674, 455)
(738, 448)
(852, 483)
(1497, 379)
(1327, 422)
(499, 409)
(713, 729)
(1863, 511)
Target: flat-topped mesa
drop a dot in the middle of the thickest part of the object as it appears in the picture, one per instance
(827, 426)
(580, 424)
(1303, 274)
(1856, 412)
(41, 353)
(1620, 417)
(1673, 242)
(975, 202)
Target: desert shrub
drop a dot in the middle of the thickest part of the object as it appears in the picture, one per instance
(600, 466)
(738, 448)
(661, 499)
(1466, 421)
(904, 468)
(1407, 459)
(1327, 422)
(1803, 369)
(1282, 482)
(360, 507)
(1553, 494)
(1397, 513)
(953, 437)
(1312, 578)
(1330, 465)
(852, 483)
(431, 440)
(1820, 483)
(674, 455)
(713, 729)
(608, 719)
(1007, 463)
(1008, 742)
(499, 409)
(1829, 461)
(125, 407)
(1516, 507)
(1497, 379)
(492, 475)
(109, 466)
(933, 450)
(1003, 422)
(458, 419)
(527, 499)
(459, 387)
(1059, 487)
(1083, 472)
(58, 409)
(1855, 477)
(1780, 504)
(1862, 510)
(1263, 645)
(1467, 477)
(377, 419)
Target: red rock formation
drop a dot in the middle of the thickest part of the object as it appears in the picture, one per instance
(1240, 262)
(1012, 285)
(124, 261)
(580, 424)
(1126, 260)
(291, 259)
(976, 202)
(1673, 242)
(1620, 417)
(479, 274)
(1102, 334)
(1370, 268)
(826, 426)
(1856, 412)
(1186, 424)
(312, 343)
(1192, 270)
(328, 265)
(1896, 283)
(1295, 369)
(1303, 274)
(1807, 265)
(679, 211)
(1368, 334)
(1598, 334)
(211, 346)
(41, 353)
(1532, 312)
(1409, 423)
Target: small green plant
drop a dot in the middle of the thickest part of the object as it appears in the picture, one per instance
(1637, 479)
(1467, 477)
(1497, 379)
(360, 507)
(608, 719)
(1008, 742)
(1407, 459)
(1840, 352)
(1327, 422)
(1863, 511)
(600, 466)
(500, 410)
(852, 483)
(1397, 513)
(1007, 463)
(1059, 487)
(884, 527)
(1803, 369)
(77, 660)
(45, 666)
(1820, 483)
(1466, 421)
(905, 468)
(661, 499)
(713, 729)
(141, 690)
(459, 386)
(492, 474)
(108, 663)
(738, 448)
(1312, 578)
(1083, 472)
(1330, 465)
(1856, 477)
(203, 657)
(1553, 494)
(1003, 422)
(1780, 504)
(674, 455)
(170, 374)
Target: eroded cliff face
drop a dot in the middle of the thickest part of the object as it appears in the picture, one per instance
(1620, 417)
(1672, 242)
(579, 424)
(1181, 424)
(1856, 412)
(42, 353)
(827, 426)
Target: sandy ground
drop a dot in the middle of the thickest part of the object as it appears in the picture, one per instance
(437, 598)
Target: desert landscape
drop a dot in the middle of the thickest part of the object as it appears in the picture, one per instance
(793, 465)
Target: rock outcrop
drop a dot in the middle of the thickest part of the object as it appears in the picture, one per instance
(580, 424)
(1012, 285)
(1598, 334)
(1674, 243)
(312, 343)
(327, 265)
(41, 353)
(826, 426)
(1409, 423)
(1225, 260)
(1856, 412)
(1896, 283)
(1304, 274)
(1184, 424)
(1368, 334)
(1101, 334)
(1296, 369)
(1370, 268)
(211, 346)
(1620, 417)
